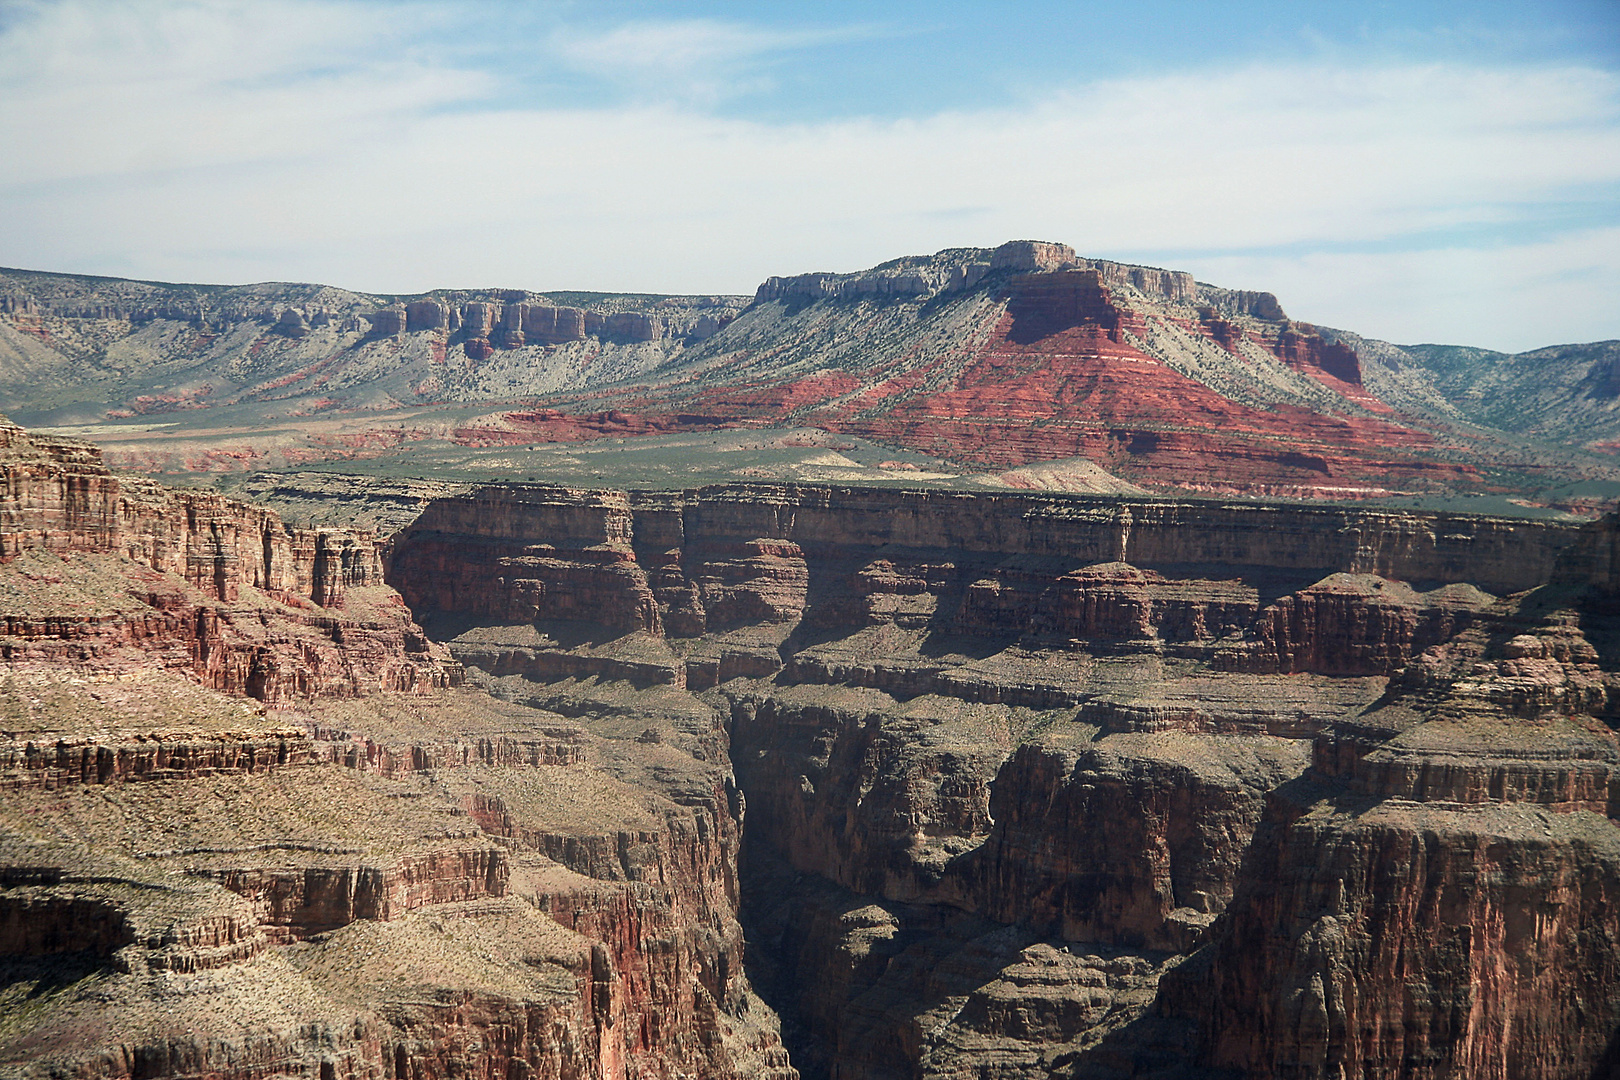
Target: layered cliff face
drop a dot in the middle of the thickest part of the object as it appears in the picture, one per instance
(109, 573)
(1053, 787)
(249, 827)
(957, 786)
(988, 358)
(395, 886)
(1435, 897)
(1261, 588)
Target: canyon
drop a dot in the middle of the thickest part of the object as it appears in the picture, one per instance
(993, 360)
(1040, 786)
(794, 779)
(802, 780)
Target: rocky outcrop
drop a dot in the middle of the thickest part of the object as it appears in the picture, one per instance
(1041, 305)
(109, 573)
(874, 798)
(1406, 896)
(388, 322)
(426, 315)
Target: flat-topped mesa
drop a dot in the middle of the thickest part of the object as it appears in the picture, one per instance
(994, 358)
(1041, 257)
(111, 300)
(558, 517)
(487, 319)
(956, 269)
(1032, 257)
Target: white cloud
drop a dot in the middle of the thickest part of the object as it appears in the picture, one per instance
(682, 46)
(109, 88)
(694, 61)
(221, 141)
(1511, 297)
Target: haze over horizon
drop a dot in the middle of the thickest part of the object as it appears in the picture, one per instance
(1413, 172)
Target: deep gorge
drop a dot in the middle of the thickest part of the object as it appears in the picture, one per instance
(776, 780)
(1013, 765)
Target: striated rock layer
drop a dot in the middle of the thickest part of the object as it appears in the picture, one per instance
(106, 572)
(777, 781)
(1045, 786)
(367, 872)
(1054, 567)
(1031, 353)
(993, 359)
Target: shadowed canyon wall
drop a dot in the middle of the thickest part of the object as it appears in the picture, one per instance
(1112, 787)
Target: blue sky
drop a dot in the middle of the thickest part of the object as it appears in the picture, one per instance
(1415, 171)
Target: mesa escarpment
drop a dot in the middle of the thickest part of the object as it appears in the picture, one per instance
(1031, 353)
(1102, 787)
(991, 359)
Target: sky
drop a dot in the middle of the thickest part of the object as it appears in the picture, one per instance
(1416, 172)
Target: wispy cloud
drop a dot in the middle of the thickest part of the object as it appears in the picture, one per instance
(1509, 296)
(700, 61)
(340, 142)
(112, 87)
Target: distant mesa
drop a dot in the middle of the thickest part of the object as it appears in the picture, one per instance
(991, 359)
(512, 325)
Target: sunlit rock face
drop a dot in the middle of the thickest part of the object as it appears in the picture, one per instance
(993, 359)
